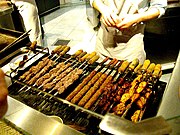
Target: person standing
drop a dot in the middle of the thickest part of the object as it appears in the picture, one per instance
(122, 26)
(29, 13)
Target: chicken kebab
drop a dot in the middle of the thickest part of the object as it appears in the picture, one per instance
(138, 93)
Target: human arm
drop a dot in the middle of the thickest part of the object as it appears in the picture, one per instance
(3, 94)
(155, 9)
(133, 19)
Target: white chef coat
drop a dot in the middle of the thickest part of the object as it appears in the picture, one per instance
(127, 44)
(29, 12)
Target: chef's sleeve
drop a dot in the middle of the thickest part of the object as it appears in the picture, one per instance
(160, 5)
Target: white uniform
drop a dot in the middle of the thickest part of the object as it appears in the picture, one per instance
(127, 44)
(29, 12)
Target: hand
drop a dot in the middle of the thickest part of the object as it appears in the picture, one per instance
(127, 21)
(3, 94)
(109, 17)
(5, 3)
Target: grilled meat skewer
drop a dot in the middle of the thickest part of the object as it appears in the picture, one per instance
(46, 68)
(96, 85)
(120, 108)
(141, 103)
(34, 69)
(48, 75)
(92, 90)
(81, 92)
(86, 80)
(62, 85)
(42, 66)
(42, 72)
(111, 92)
(96, 95)
(55, 74)
(56, 71)
(133, 96)
(105, 83)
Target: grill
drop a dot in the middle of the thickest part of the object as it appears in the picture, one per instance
(81, 91)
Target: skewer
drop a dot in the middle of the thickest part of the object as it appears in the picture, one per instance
(102, 91)
(130, 71)
(96, 95)
(142, 85)
(67, 72)
(43, 103)
(75, 55)
(86, 80)
(35, 69)
(118, 109)
(71, 77)
(42, 72)
(62, 51)
(82, 90)
(155, 76)
(98, 85)
(63, 69)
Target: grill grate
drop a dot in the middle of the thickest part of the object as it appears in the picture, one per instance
(52, 102)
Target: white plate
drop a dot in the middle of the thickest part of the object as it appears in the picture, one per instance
(14, 63)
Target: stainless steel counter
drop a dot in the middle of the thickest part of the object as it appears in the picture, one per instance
(170, 106)
(34, 122)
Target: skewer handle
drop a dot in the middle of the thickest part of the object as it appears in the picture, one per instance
(77, 53)
(65, 50)
(138, 67)
(57, 49)
(133, 64)
(123, 67)
(84, 57)
(111, 62)
(151, 68)
(114, 63)
(106, 59)
(145, 66)
(33, 45)
(81, 55)
(91, 55)
(93, 59)
(157, 70)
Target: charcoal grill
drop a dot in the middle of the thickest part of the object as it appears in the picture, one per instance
(51, 102)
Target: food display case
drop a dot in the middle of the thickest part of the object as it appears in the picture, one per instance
(75, 94)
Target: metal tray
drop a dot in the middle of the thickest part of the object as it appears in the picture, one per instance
(7, 37)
